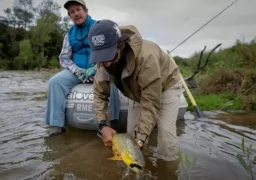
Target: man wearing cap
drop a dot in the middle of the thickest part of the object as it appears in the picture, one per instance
(143, 73)
(74, 59)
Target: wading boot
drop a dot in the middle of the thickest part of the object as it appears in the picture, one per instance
(54, 131)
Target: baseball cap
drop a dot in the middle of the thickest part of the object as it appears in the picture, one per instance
(71, 1)
(103, 38)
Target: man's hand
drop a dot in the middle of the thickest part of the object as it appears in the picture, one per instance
(81, 74)
(86, 75)
(107, 134)
(90, 80)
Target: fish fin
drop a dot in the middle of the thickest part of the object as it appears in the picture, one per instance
(116, 158)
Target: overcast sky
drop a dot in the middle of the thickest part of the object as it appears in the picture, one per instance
(169, 22)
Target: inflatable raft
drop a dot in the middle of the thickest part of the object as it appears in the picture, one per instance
(80, 111)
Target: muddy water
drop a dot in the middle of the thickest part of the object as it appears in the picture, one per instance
(24, 154)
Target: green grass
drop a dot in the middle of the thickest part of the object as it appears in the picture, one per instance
(216, 102)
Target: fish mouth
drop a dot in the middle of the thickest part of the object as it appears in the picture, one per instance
(136, 167)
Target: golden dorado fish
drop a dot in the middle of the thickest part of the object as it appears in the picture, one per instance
(126, 149)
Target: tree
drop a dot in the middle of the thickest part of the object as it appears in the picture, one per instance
(23, 11)
(25, 58)
(48, 13)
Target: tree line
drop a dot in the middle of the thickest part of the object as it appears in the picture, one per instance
(31, 36)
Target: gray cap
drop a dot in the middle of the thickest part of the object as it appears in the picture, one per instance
(103, 37)
(74, 1)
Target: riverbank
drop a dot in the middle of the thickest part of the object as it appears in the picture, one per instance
(223, 100)
(217, 102)
(227, 80)
(243, 100)
(206, 102)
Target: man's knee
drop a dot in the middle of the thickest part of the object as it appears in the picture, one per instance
(53, 80)
(168, 153)
(60, 78)
(168, 145)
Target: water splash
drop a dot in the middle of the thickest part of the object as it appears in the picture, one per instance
(126, 174)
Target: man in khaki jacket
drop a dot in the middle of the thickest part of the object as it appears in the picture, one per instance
(144, 74)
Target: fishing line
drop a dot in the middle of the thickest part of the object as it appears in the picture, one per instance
(229, 103)
(204, 25)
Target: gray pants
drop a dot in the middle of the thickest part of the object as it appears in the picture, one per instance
(167, 141)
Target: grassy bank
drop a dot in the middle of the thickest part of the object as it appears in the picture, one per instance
(208, 102)
(230, 73)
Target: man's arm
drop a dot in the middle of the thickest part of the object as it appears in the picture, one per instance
(101, 91)
(66, 55)
(150, 83)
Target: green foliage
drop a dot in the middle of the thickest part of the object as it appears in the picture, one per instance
(230, 71)
(1, 46)
(186, 166)
(54, 62)
(241, 55)
(245, 158)
(31, 37)
(25, 58)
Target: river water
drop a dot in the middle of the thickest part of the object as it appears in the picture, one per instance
(77, 154)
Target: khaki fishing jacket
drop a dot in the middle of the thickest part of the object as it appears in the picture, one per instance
(149, 71)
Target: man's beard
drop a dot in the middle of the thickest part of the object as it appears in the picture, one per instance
(113, 68)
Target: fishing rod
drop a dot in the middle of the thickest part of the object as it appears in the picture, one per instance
(204, 25)
(199, 113)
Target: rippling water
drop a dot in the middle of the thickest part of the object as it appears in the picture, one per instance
(78, 154)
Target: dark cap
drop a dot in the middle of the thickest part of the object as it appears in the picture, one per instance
(103, 38)
(72, 1)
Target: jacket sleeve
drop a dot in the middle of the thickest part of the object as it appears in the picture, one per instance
(149, 80)
(66, 55)
(101, 91)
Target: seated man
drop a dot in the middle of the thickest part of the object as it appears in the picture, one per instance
(74, 58)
